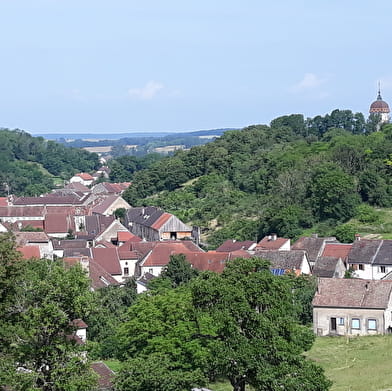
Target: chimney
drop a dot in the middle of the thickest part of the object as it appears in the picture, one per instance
(315, 236)
(274, 237)
(367, 286)
(357, 237)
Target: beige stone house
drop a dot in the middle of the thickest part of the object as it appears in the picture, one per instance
(352, 307)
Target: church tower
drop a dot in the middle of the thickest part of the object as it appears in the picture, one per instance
(380, 107)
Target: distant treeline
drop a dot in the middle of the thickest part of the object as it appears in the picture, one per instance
(29, 164)
(147, 144)
(287, 177)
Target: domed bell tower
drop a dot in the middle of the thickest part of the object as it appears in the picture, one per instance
(380, 107)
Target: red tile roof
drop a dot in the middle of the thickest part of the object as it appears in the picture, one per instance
(85, 176)
(79, 324)
(160, 254)
(124, 236)
(29, 252)
(214, 261)
(3, 201)
(108, 259)
(337, 250)
(268, 243)
(161, 220)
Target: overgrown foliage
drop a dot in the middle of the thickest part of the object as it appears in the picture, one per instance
(284, 178)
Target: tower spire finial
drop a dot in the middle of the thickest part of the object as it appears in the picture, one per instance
(379, 92)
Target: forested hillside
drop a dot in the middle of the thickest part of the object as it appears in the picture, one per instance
(291, 176)
(29, 164)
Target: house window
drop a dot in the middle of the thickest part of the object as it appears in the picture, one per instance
(372, 324)
(126, 271)
(341, 321)
(355, 323)
(151, 271)
(361, 266)
(382, 269)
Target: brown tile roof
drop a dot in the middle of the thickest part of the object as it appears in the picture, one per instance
(313, 245)
(364, 251)
(48, 200)
(106, 203)
(31, 237)
(99, 277)
(352, 293)
(105, 375)
(336, 250)
(78, 187)
(77, 252)
(233, 245)
(288, 260)
(57, 223)
(24, 211)
(29, 252)
(104, 243)
(268, 243)
(325, 267)
(63, 244)
(214, 261)
(108, 259)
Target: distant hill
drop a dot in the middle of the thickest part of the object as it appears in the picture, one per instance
(119, 136)
(137, 144)
(31, 165)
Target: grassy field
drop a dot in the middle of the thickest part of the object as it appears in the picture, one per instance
(356, 364)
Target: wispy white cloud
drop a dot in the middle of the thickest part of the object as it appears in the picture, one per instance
(310, 81)
(149, 91)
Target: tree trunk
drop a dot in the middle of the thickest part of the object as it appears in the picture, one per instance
(238, 384)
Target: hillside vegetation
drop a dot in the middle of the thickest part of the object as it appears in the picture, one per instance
(290, 177)
(29, 164)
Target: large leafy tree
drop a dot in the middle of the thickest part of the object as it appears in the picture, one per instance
(158, 344)
(40, 299)
(242, 325)
(257, 339)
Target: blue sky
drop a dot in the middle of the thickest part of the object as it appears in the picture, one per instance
(123, 65)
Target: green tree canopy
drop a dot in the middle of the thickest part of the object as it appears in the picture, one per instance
(40, 299)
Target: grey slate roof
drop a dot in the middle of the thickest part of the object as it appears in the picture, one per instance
(146, 216)
(325, 267)
(352, 293)
(97, 223)
(384, 254)
(363, 251)
(283, 259)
